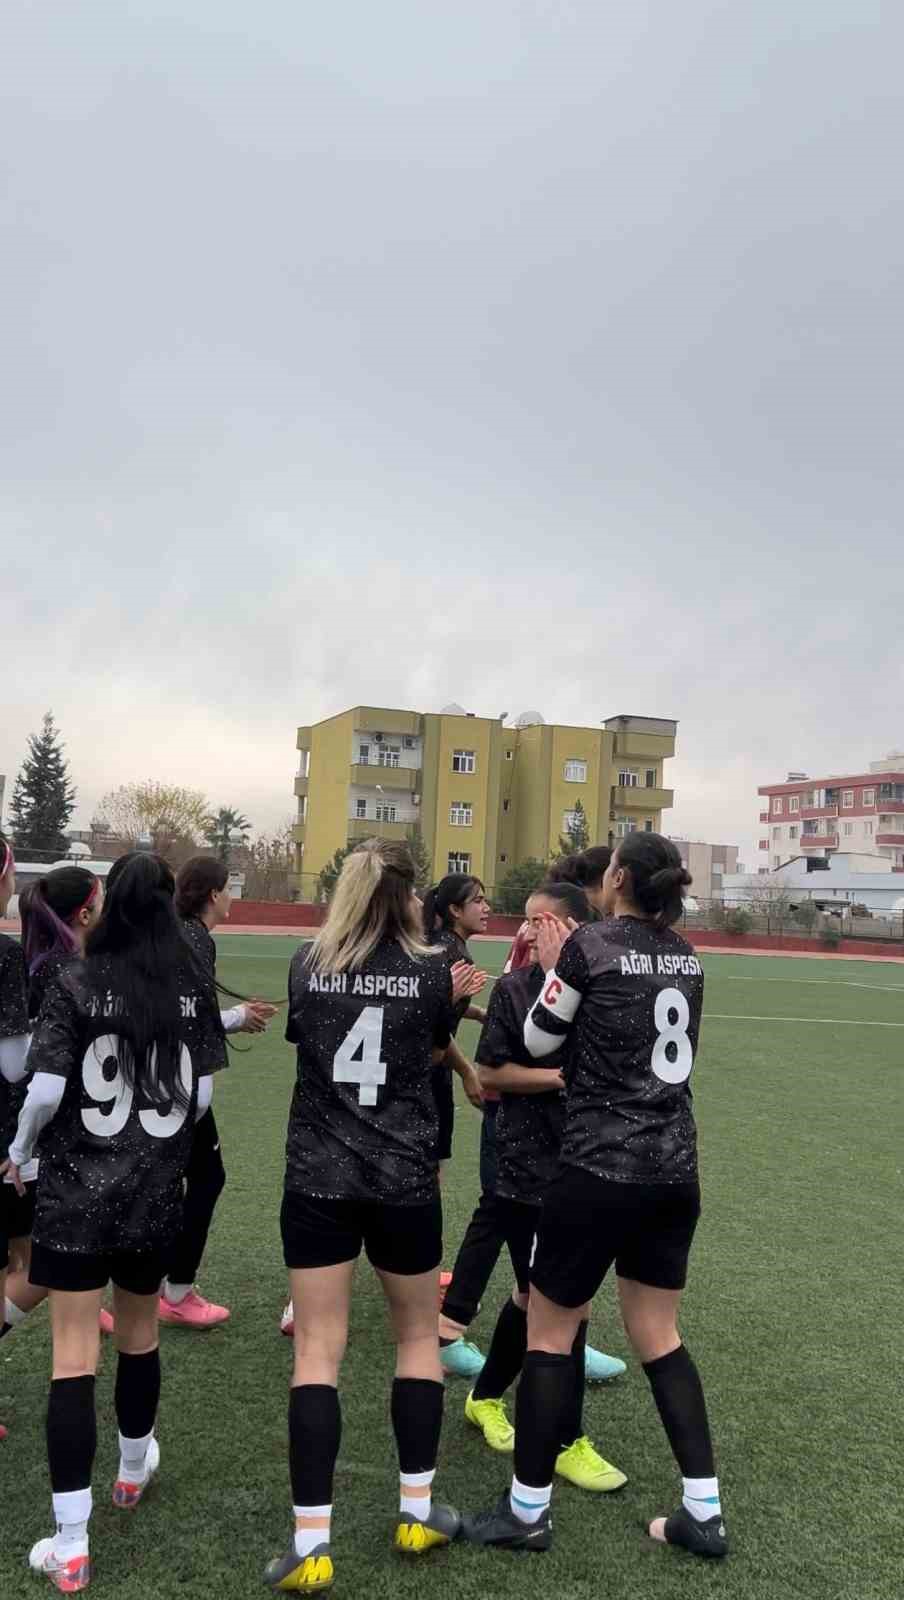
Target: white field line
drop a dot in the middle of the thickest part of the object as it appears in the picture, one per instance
(830, 1022)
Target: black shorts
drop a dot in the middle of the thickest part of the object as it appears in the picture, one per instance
(136, 1271)
(18, 1210)
(322, 1233)
(444, 1095)
(587, 1223)
(518, 1224)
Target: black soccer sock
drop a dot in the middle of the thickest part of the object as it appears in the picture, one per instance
(315, 1429)
(573, 1418)
(505, 1357)
(678, 1393)
(137, 1393)
(417, 1418)
(71, 1433)
(543, 1397)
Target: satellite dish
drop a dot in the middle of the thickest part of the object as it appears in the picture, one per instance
(690, 904)
(453, 709)
(78, 848)
(530, 719)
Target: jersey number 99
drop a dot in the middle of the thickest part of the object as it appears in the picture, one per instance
(104, 1082)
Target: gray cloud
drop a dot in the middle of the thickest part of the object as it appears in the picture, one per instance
(523, 353)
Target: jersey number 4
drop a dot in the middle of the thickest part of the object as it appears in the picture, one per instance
(673, 1056)
(104, 1082)
(358, 1058)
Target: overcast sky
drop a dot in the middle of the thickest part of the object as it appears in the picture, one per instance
(522, 354)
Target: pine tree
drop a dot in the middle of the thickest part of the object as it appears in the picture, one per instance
(329, 875)
(577, 836)
(43, 797)
(420, 855)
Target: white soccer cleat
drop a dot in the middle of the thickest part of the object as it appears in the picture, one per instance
(287, 1321)
(126, 1491)
(69, 1574)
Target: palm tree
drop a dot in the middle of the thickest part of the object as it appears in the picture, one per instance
(225, 829)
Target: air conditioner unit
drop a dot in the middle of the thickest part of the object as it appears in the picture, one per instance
(378, 738)
(415, 799)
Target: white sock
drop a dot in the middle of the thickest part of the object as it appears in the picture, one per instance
(12, 1313)
(416, 1505)
(528, 1504)
(701, 1498)
(175, 1292)
(133, 1458)
(72, 1512)
(307, 1539)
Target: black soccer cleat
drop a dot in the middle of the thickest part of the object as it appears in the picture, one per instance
(502, 1529)
(414, 1537)
(700, 1538)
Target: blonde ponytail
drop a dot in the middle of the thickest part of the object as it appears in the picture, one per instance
(373, 900)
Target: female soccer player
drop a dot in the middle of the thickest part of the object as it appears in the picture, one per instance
(203, 902)
(528, 1135)
(13, 1049)
(586, 869)
(369, 1008)
(57, 914)
(627, 994)
(120, 1068)
(453, 910)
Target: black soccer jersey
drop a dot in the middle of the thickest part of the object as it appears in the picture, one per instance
(363, 1120)
(41, 981)
(628, 996)
(528, 1126)
(201, 940)
(13, 1023)
(455, 950)
(111, 1167)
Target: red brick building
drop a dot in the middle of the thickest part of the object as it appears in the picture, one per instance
(861, 812)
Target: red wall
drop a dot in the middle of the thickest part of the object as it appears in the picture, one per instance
(279, 914)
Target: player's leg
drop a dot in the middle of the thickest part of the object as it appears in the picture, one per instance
(71, 1422)
(321, 1243)
(205, 1177)
(485, 1406)
(404, 1244)
(579, 1462)
(21, 1296)
(137, 1391)
(651, 1322)
(474, 1266)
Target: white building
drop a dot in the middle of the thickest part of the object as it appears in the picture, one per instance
(832, 882)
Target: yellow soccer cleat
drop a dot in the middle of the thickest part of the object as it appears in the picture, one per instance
(292, 1573)
(582, 1465)
(414, 1537)
(491, 1417)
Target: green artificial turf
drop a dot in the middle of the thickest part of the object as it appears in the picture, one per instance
(794, 1311)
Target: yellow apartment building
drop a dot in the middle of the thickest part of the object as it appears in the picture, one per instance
(485, 793)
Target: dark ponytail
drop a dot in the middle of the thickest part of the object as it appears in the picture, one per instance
(587, 868)
(658, 879)
(47, 908)
(454, 890)
(196, 881)
(573, 900)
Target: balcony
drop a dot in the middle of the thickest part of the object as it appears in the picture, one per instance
(641, 799)
(764, 816)
(301, 785)
(895, 806)
(896, 839)
(368, 828)
(402, 780)
(819, 841)
(813, 813)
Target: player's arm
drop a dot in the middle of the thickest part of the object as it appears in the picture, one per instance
(513, 1078)
(470, 1078)
(13, 1056)
(499, 1041)
(17, 1037)
(567, 978)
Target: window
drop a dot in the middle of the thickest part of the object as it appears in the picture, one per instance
(302, 808)
(848, 829)
(809, 799)
(776, 833)
(810, 827)
(409, 744)
(648, 825)
(304, 764)
(389, 755)
(624, 827)
(360, 808)
(464, 761)
(868, 829)
(575, 772)
(461, 814)
(776, 861)
(506, 805)
(794, 803)
(792, 834)
(869, 797)
(459, 861)
(627, 778)
(385, 813)
(847, 799)
(509, 755)
(364, 755)
(651, 777)
(503, 857)
(777, 806)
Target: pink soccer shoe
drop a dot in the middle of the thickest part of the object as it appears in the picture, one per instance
(192, 1312)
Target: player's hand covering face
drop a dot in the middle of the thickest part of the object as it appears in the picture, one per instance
(551, 936)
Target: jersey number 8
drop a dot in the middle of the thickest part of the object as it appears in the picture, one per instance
(672, 1065)
(104, 1082)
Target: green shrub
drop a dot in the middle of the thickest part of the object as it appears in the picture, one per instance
(737, 920)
